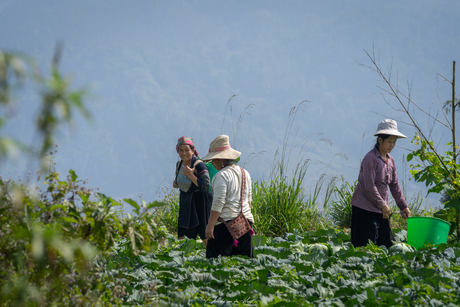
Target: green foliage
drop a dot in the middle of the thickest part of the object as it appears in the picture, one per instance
(340, 207)
(441, 174)
(168, 215)
(36, 255)
(281, 204)
(315, 268)
(277, 205)
(49, 239)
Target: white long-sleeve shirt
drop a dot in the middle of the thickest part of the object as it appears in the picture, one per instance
(226, 187)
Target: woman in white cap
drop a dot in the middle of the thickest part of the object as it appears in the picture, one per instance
(370, 210)
(232, 193)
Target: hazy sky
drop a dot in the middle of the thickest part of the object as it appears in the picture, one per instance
(158, 70)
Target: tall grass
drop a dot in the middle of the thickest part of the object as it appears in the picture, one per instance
(340, 207)
(317, 211)
(278, 203)
(281, 203)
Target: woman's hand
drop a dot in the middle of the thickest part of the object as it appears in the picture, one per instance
(175, 185)
(189, 172)
(405, 213)
(212, 221)
(386, 211)
(210, 232)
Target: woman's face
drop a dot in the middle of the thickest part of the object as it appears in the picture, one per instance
(387, 145)
(217, 163)
(185, 152)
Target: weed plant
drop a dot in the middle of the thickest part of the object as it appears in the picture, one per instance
(340, 207)
(317, 211)
(278, 204)
(168, 215)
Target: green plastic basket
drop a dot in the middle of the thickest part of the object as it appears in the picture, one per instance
(212, 170)
(426, 230)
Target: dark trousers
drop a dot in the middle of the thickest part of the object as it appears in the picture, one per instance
(367, 225)
(223, 244)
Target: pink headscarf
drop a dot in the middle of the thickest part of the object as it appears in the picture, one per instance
(185, 140)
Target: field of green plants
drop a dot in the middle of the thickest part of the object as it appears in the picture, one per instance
(315, 268)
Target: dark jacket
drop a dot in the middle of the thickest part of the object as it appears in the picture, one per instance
(195, 204)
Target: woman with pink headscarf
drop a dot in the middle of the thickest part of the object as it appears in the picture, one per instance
(192, 178)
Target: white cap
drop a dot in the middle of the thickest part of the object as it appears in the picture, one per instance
(390, 127)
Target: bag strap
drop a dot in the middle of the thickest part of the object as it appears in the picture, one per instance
(178, 165)
(195, 164)
(243, 185)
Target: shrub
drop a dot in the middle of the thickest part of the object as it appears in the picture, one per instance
(49, 239)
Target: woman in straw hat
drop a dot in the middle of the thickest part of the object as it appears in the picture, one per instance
(192, 178)
(227, 187)
(370, 210)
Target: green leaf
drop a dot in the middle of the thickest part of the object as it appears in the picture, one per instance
(409, 157)
(453, 203)
(69, 219)
(155, 204)
(189, 246)
(132, 237)
(52, 208)
(430, 178)
(132, 203)
(84, 198)
(450, 189)
(259, 240)
(435, 189)
(417, 176)
(74, 176)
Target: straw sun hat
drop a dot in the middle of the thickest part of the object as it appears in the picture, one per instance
(390, 127)
(220, 149)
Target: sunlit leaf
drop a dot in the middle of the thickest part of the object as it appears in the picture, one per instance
(73, 175)
(132, 203)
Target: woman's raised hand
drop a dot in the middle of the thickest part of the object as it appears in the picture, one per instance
(189, 172)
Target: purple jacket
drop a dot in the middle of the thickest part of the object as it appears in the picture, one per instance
(375, 176)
